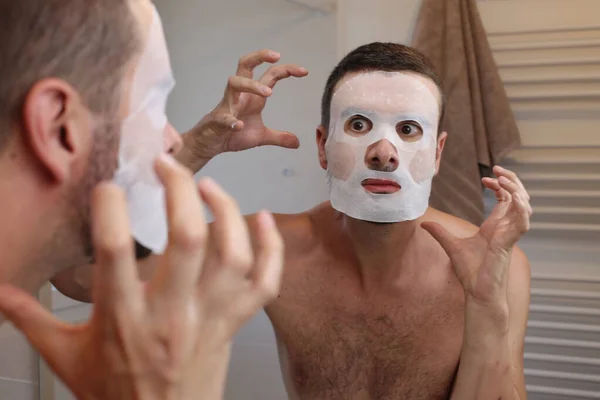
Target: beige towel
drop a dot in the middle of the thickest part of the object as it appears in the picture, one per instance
(480, 124)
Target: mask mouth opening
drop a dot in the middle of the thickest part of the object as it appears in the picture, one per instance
(381, 186)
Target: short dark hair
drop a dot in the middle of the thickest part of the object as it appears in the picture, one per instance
(88, 43)
(378, 56)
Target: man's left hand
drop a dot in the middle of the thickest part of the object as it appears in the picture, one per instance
(481, 262)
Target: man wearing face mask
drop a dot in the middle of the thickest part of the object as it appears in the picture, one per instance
(82, 102)
(382, 296)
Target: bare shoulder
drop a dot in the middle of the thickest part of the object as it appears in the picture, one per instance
(457, 226)
(297, 231)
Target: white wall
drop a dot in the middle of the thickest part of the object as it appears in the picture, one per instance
(361, 22)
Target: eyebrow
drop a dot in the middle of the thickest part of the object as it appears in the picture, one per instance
(372, 115)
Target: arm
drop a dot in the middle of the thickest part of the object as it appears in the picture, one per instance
(236, 122)
(187, 156)
(491, 363)
(495, 277)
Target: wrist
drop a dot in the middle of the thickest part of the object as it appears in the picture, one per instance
(194, 155)
(208, 373)
(492, 316)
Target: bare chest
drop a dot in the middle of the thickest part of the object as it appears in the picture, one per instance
(333, 346)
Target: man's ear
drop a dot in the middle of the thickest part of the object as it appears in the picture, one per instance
(441, 142)
(54, 124)
(321, 139)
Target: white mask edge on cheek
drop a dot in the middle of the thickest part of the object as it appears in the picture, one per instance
(142, 141)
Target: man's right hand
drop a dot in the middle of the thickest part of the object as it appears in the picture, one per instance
(236, 123)
(169, 338)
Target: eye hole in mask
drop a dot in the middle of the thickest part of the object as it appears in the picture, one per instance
(358, 125)
(409, 131)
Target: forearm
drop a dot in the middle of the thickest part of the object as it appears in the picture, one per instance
(486, 371)
(190, 156)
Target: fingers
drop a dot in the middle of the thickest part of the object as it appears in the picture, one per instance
(509, 187)
(443, 237)
(115, 274)
(518, 198)
(249, 62)
(266, 275)
(491, 183)
(279, 72)
(515, 190)
(178, 270)
(524, 212)
(282, 139)
(240, 84)
(503, 172)
(231, 238)
(501, 194)
(42, 329)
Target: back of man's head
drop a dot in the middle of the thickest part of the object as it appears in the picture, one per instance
(87, 43)
(377, 56)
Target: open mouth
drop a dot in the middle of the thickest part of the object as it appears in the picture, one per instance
(380, 186)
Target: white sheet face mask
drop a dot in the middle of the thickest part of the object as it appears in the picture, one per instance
(143, 140)
(366, 111)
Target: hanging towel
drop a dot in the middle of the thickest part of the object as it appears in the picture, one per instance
(481, 126)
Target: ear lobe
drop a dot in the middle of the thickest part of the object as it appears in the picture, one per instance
(50, 122)
(321, 140)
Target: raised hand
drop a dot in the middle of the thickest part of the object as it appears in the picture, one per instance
(169, 338)
(236, 123)
(481, 262)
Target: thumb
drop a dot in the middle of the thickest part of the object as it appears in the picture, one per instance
(282, 139)
(42, 329)
(447, 240)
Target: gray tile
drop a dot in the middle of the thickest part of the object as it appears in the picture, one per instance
(14, 390)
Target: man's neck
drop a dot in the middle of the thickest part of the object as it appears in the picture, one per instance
(21, 232)
(385, 252)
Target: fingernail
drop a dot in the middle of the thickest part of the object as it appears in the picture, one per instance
(274, 54)
(302, 69)
(207, 183)
(267, 219)
(265, 90)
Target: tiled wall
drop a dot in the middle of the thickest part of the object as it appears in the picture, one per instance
(18, 368)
